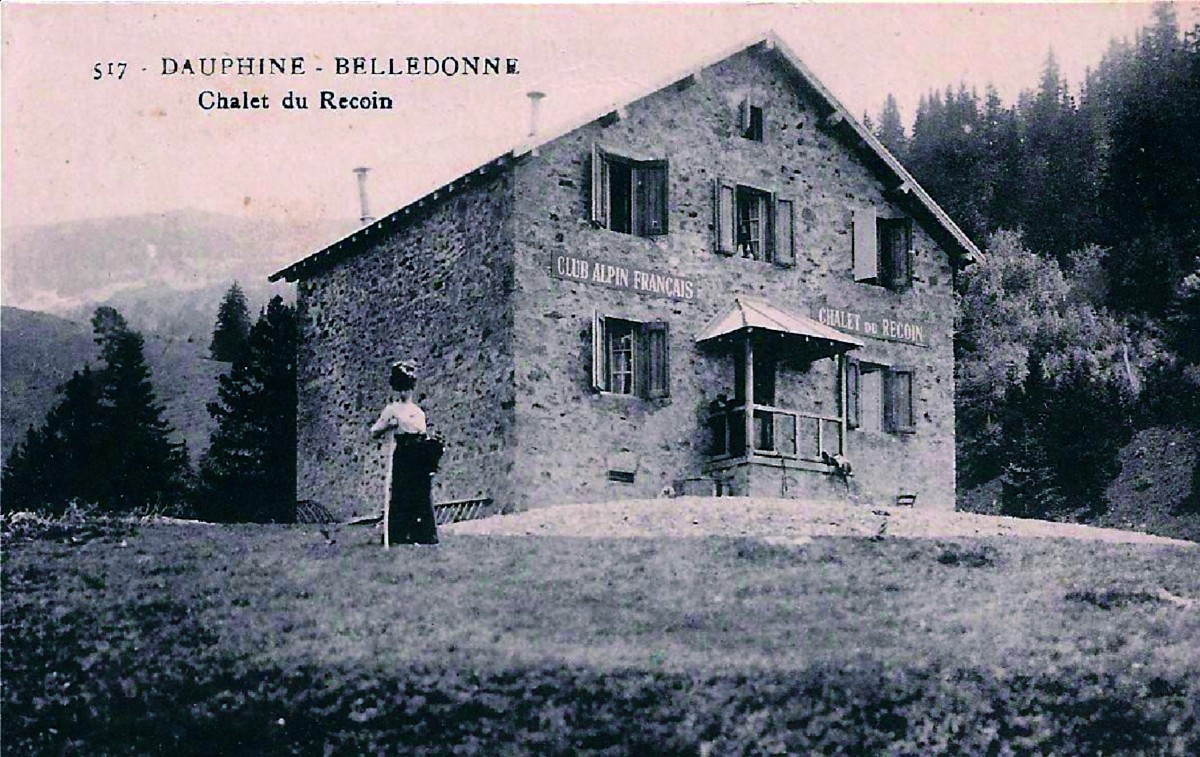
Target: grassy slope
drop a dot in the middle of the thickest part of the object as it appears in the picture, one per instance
(219, 632)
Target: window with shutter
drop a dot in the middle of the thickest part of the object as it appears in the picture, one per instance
(753, 226)
(866, 246)
(628, 195)
(898, 408)
(895, 252)
(750, 120)
(631, 358)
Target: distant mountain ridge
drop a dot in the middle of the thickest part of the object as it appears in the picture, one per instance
(164, 271)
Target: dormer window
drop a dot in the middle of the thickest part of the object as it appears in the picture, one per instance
(751, 120)
(629, 195)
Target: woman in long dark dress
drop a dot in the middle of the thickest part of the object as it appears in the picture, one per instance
(414, 458)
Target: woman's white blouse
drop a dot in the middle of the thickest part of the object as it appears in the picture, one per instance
(401, 418)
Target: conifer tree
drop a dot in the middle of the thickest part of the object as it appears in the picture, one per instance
(57, 463)
(141, 465)
(249, 470)
(232, 329)
(891, 129)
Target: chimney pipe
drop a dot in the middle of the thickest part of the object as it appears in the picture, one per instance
(534, 99)
(361, 172)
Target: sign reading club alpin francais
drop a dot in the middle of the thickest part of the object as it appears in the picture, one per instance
(620, 276)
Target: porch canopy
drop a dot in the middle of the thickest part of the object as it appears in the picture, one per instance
(749, 315)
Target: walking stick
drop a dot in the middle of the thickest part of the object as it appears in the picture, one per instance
(387, 492)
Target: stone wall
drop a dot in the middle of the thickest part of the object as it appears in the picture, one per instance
(570, 436)
(436, 291)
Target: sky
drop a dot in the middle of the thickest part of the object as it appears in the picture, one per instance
(74, 147)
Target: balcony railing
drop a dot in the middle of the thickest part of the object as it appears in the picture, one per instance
(776, 432)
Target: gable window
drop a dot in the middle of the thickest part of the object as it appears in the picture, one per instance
(882, 250)
(754, 224)
(630, 357)
(750, 117)
(880, 398)
(629, 195)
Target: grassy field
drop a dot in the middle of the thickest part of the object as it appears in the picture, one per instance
(251, 639)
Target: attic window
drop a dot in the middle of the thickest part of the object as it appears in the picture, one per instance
(750, 116)
(882, 252)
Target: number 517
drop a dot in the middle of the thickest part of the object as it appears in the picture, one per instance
(117, 69)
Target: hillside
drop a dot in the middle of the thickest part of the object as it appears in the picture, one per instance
(275, 640)
(38, 352)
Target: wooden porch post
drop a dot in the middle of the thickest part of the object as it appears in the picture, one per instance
(749, 391)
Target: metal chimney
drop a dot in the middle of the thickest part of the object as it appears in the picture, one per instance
(535, 99)
(361, 172)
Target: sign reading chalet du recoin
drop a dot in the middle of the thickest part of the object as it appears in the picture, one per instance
(885, 327)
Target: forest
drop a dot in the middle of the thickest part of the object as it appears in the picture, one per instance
(1080, 324)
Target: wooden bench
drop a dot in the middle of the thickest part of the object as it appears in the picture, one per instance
(463, 509)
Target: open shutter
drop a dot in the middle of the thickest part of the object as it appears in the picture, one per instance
(651, 179)
(658, 359)
(906, 242)
(599, 377)
(785, 231)
(599, 188)
(866, 246)
(853, 393)
(723, 201)
(744, 116)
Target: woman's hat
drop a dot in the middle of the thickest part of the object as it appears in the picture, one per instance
(402, 375)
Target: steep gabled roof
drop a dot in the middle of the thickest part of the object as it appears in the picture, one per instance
(836, 119)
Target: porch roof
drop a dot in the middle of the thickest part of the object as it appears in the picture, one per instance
(751, 313)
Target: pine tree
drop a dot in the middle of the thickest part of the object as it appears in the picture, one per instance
(891, 129)
(141, 465)
(232, 329)
(249, 470)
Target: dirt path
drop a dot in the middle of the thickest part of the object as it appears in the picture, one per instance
(778, 520)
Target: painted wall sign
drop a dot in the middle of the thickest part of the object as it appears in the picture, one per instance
(889, 328)
(620, 276)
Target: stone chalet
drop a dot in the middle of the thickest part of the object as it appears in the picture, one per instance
(726, 286)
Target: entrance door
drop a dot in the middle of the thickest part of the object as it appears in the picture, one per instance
(764, 394)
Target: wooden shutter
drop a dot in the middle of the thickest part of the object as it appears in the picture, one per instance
(651, 181)
(744, 116)
(784, 251)
(599, 367)
(656, 339)
(906, 261)
(723, 221)
(866, 246)
(599, 209)
(898, 400)
(853, 393)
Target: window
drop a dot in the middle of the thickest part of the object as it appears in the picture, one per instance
(629, 195)
(879, 398)
(752, 208)
(754, 224)
(630, 358)
(750, 117)
(882, 250)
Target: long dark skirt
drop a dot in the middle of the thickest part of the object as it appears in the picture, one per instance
(410, 516)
